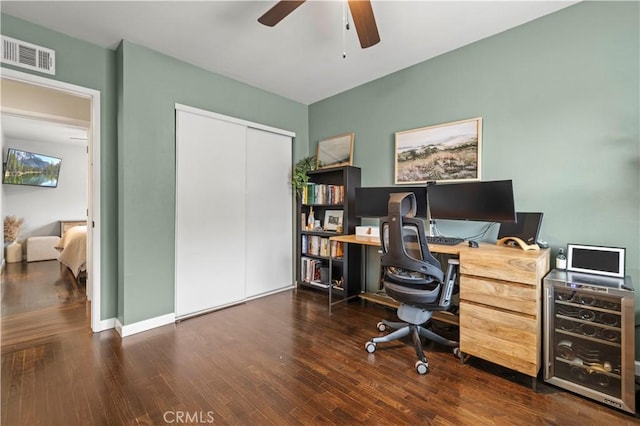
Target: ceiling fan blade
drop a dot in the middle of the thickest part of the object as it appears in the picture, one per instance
(279, 11)
(365, 22)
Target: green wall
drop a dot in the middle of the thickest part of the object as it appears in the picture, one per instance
(139, 88)
(87, 65)
(559, 98)
(151, 85)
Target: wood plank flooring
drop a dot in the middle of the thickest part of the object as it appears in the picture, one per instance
(39, 301)
(278, 360)
(29, 286)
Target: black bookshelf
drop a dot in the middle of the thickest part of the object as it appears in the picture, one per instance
(329, 191)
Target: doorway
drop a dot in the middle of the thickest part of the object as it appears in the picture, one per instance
(93, 284)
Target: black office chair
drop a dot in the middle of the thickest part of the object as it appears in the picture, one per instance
(413, 277)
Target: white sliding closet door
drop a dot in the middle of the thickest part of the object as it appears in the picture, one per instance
(269, 200)
(234, 211)
(210, 213)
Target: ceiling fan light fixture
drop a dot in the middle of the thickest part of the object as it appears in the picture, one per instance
(279, 11)
(365, 22)
(361, 13)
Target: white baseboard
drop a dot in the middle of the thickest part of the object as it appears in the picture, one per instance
(280, 290)
(637, 363)
(107, 324)
(140, 326)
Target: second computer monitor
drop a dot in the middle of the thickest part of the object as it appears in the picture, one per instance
(487, 201)
(374, 201)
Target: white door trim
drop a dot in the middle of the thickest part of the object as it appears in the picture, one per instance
(94, 213)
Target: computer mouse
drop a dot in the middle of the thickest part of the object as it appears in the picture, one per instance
(542, 244)
(473, 244)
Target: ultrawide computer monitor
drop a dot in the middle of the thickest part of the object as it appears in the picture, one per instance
(490, 201)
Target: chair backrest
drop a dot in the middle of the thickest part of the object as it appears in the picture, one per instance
(406, 259)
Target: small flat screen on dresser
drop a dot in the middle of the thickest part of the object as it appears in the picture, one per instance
(596, 260)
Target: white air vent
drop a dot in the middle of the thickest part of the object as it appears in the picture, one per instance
(27, 55)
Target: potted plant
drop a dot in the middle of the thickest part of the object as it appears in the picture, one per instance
(13, 248)
(299, 177)
(12, 226)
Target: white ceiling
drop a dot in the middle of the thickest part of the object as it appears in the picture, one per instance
(301, 57)
(35, 130)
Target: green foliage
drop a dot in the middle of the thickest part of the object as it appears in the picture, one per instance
(299, 176)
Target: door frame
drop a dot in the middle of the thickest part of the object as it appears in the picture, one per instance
(94, 211)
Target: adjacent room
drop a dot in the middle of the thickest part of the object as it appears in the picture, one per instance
(340, 212)
(45, 185)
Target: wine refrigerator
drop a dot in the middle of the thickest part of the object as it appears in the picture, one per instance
(589, 336)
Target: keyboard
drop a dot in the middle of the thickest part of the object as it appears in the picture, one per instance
(446, 241)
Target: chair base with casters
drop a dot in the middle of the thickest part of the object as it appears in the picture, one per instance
(414, 318)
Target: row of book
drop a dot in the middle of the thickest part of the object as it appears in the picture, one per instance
(319, 193)
(321, 246)
(310, 270)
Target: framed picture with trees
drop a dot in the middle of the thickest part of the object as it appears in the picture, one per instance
(444, 152)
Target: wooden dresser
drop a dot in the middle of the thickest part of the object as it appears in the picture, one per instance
(501, 306)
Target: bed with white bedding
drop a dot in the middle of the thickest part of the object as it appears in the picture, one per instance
(73, 249)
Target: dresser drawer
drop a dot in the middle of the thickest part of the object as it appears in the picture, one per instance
(510, 296)
(504, 338)
(506, 264)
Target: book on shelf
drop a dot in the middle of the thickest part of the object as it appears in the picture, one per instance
(324, 247)
(310, 270)
(316, 245)
(320, 193)
(337, 249)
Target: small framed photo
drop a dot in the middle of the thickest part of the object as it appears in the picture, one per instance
(443, 153)
(335, 151)
(333, 220)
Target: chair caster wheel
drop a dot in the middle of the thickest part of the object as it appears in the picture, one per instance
(370, 347)
(381, 326)
(422, 367)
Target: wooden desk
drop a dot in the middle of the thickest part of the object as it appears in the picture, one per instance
(375, 241)
(500, 301)
(382, 299)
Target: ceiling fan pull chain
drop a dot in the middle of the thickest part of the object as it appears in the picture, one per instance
(345, 28)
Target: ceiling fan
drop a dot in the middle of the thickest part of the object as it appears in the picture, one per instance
(361, 12)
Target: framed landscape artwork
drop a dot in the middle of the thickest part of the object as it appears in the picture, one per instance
(444, 152)
(335, 151)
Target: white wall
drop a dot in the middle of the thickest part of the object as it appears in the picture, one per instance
(43, 208)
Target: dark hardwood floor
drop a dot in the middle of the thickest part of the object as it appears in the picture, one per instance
(41, 300)
(30, 286)
(276, 360)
